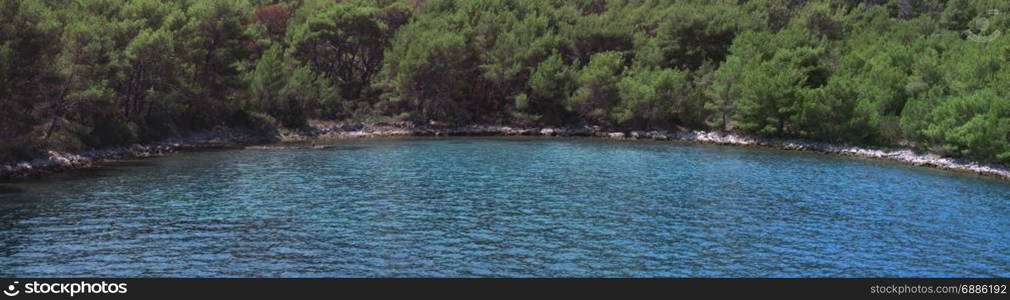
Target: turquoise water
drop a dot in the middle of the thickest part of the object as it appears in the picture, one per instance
(506, 207)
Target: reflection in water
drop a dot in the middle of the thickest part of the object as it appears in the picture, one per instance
(4, 189)
(498, 207)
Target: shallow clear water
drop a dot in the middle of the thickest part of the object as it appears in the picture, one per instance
(506, 207)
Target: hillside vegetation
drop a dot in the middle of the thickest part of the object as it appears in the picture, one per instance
(928, 74)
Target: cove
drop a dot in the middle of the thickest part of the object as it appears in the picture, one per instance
(499, 206)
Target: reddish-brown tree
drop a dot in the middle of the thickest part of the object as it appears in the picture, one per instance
(274, 18)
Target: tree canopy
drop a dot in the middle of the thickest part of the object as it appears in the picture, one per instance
(928, 74)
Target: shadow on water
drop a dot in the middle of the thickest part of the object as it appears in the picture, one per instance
(4, 189)
(333, 147)
(339, 148)
(101, 170)
(129, 164)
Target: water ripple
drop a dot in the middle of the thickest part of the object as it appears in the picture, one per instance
(506, 207)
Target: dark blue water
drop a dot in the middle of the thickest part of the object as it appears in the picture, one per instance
(506, 207)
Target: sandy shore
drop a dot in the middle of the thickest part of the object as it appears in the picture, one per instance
(229, 138)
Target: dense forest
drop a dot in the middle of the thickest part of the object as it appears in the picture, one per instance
(927, 74)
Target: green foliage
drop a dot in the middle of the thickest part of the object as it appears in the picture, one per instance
(958, 13)
(919, 73)
(29, 42)
(432, 75)
(212, 41)
(268, 81)
(694, 34)
(598, 91)
(976, 124)
(152, 76)
(776, 70)
(721, 88)
(344, 41)
(550, 85)
(650, 98)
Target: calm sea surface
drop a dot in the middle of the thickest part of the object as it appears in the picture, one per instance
(506, 207)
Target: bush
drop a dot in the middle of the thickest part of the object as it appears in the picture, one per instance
(260, 122)
(114, 131)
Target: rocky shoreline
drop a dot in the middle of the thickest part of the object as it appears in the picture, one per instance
(55, 162)
(231, 138)
(906, 156)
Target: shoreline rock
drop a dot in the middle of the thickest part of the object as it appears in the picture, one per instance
(55, 161)
(906, 156)
(232, 138)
